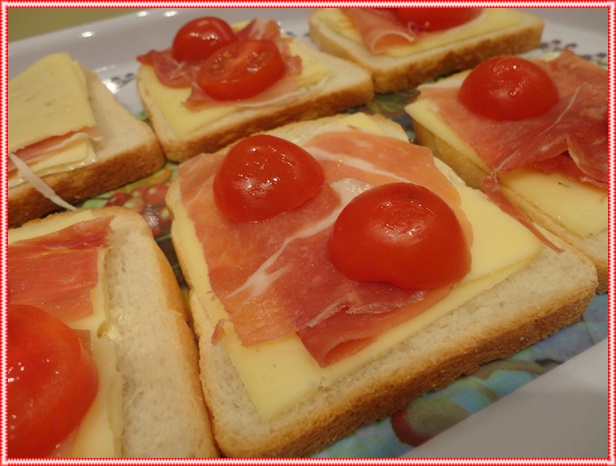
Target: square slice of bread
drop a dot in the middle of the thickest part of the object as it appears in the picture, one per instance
(551, 292)
(346, 87)
(397, 73)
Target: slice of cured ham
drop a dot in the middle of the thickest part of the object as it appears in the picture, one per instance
(576, 125)
(173, 73)
(58, 271)
(380, 28)
(275, 278)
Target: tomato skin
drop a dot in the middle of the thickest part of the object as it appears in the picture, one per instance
(201, 37)
(241, 70)
(508, 88)
(437, 19)
(263, 176)
(52, 381)
(400, 233)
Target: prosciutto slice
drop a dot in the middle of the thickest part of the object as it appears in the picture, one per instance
(576, 125)
(42, 270)
(380, 28)
(173, 73)
(275, 277)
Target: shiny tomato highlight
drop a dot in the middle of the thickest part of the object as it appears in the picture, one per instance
(508, 88)
(263, 176)
(51, 381)
(403, 234)
(201, 37)
(241, 70)
(437, 19)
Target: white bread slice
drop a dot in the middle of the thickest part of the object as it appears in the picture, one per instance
(395, 74)
(127, 151)
(348, 86)
(472, 171)
(163, 410)
(550, 293)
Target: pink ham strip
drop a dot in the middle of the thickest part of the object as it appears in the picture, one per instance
(379, 28)
(181, 74)
(40, 150)
(58, 271)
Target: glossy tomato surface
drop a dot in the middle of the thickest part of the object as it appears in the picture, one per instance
(51, 381)
(263, 176)
(400, 233)
(437, 19)
(508, 88)
(201, 37)
(241, 70)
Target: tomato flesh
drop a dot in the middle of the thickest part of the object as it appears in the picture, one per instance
(241, 70)
(436, 19)
(201, 37)
(508, 88)
(263, 176)
(400, 233)
(51, 381)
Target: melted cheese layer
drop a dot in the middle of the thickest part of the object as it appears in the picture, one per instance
(579, 207)
(280, 373)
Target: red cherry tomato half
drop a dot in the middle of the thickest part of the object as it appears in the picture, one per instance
(437, 19)
(201, 37)
(508, 88)
(51, 381)
(241, 70)
(263, 176)
(400, 233)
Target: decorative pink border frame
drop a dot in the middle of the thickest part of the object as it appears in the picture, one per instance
(5, 4)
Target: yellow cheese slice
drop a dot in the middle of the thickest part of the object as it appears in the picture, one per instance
(78, 154)
(280, 373)
(490, 20)
(100, 432)
(49, 98)
(183, 121)
(579, 207)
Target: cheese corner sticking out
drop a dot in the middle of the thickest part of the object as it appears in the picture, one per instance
(49, 98)
(579, 207)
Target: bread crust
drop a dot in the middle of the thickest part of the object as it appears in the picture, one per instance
(349, 86)
(163, 410)
(127, 151)
(424, 363)
(594, 247)
(395, 74)
(550, 293)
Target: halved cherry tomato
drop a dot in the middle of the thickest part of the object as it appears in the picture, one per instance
(51, 381)
(400, 233)
(508, 88)
(437, 19)
(201, 37)
(263, 176)
(241, 70)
